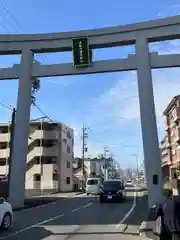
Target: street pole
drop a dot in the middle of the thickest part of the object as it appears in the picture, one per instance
(105, 164)
(13, 117)
(83, 148)
(137, 165)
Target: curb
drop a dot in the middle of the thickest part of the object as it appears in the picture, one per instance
(25, 207)
(146, 227)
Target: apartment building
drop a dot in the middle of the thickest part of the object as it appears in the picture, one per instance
(170, 146)
(49, 158)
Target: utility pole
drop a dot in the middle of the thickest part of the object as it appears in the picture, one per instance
(105, 164)
(84, 149)
(137, 165)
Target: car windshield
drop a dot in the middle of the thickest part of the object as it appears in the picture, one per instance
(92, 182)
(112, 185)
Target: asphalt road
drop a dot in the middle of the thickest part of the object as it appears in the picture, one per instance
(73, 219)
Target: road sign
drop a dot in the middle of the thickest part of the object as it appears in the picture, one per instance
(81, 52)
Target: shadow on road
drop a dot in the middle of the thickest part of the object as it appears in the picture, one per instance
(41, 200)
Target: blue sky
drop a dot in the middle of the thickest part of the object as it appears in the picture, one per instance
(107, 103)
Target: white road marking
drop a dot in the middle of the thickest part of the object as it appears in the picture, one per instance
(41, 223)
(129, 212)
(74, 210)
(30, 227)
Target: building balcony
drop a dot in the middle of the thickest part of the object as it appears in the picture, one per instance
(4, 137)
(4, 153)
(48, 135)
(4, 170)
(176, 118)
(167, 144)
(165, 161)
(42, 151)
(166, 124)
(164, 152)
(177, 115)
(177, 137)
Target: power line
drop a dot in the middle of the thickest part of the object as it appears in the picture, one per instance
(10, 107)
(46, 116)
(11, 15)
(43, 113)
(6, 106)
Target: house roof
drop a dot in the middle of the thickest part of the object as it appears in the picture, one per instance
(170, 105)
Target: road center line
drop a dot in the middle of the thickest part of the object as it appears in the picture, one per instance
(41, 223)
(129, 212)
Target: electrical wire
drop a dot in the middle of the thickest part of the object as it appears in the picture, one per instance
(46, 116)
(11, 15)
(6, 106)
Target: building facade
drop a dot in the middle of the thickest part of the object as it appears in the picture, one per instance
(49, 158)
(170, 146)
(94, 167)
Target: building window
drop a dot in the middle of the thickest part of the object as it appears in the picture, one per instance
(68, 149)
(37, 177)
(68, 180)
(4, 130)
(3, 161)
(68, 165)
(3, 145)
(55, 176)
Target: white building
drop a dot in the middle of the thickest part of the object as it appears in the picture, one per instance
(49, 159)
(92, 166)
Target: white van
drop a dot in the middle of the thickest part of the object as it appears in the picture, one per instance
(93, 186)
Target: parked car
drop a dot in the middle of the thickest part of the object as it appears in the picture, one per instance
(6, 214)
(112, 190)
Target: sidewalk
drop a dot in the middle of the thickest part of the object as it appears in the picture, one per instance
(35, 201)
(149, 225)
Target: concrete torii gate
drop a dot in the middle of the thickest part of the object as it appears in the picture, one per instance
(139, 34)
